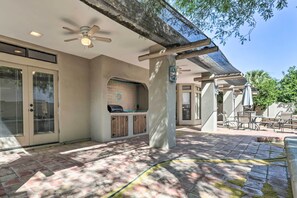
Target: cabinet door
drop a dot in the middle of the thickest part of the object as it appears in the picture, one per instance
(139, 124)
(119, 126)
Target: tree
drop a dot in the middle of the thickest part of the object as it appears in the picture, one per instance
(267, 88)
(256, 76)
(288, 86)
(228, 17)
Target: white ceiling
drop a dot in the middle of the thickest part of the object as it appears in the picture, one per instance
(19, 18)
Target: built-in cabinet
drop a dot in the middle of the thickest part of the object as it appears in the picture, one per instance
(128, 124)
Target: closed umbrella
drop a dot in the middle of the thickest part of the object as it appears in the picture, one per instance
(247, 100)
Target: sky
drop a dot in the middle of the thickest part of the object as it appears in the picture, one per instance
(273, 44)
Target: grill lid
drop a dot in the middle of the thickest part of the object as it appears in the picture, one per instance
(115, 108)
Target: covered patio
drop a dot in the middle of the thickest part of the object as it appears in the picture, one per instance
(222, 164)
(58, 78)
(58, 137)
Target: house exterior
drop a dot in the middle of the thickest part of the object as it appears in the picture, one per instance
(54, 91)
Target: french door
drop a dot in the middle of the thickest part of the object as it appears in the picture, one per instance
(28, 106)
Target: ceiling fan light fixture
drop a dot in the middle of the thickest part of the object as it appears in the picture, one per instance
(86, 41)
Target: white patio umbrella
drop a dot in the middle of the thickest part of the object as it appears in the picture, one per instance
(247, 100)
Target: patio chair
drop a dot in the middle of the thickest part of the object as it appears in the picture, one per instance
(292, 125)
(285, 120)
(228, 121)
(243, 119)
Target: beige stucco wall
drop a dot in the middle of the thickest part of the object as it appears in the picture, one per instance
(74, 98)
(274, 110)
(73, 87)
(102, 69)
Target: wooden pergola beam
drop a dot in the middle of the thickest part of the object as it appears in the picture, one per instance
(174, 50)
(197, 53)
(220, 77)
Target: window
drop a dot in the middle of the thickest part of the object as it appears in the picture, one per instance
(12, 49)
(186, 106)
(197, 106)
(186, 87)
(26, 52)
(42, 56)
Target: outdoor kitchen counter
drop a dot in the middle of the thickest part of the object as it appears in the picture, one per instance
(128, 113)
(128, 124)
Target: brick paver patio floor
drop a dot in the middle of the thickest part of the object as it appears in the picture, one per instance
(91, 169)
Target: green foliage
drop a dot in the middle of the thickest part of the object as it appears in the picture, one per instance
(229, 17)
(268, 192)
(234, 193)
(238, 182)
(288, 86)
(255, 77)
(267, 88)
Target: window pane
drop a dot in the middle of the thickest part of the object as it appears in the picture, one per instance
(197, 106)
(186, 87)
(43, 97)
(42, 56)
(11, 102)
(186, 106)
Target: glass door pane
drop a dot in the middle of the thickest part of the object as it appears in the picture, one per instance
(43, 108)
(186, 106)
(11, 102)
(197, 106)
(43, 103)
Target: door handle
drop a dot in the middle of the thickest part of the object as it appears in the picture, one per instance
(31, 110)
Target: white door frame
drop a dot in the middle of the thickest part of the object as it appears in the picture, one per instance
(29, 138)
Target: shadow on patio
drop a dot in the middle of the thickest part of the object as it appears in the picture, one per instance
(96, 169)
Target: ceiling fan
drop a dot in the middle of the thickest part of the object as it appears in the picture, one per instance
(87, 35)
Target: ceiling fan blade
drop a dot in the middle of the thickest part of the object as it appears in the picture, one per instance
(73, 39)
(90, 46)
(71, 30)
(70, 22)
(98, 38)
(103, 32)
(93, 30)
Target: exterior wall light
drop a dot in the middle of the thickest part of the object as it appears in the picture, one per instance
(172, 74)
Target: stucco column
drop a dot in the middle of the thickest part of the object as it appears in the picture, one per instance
(162, 103)
(238, 105)
(208, 106)
(228, 103)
